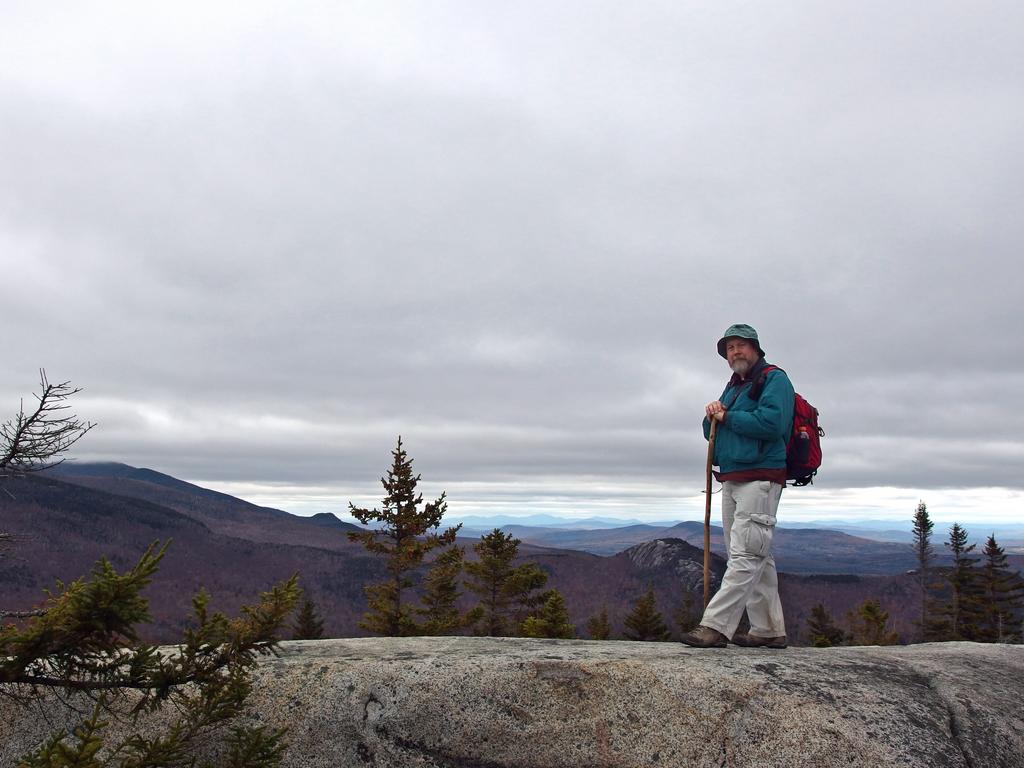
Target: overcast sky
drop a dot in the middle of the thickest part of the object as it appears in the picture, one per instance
(267, 239)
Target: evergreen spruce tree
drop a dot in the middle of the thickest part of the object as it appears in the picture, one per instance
(506, 592)
(308, 623)
(85, 641)
(1002, 597)
(963, 610)
(931, 624)
(824, 633)
(439, 608)
(687, 618)
(551, 619)
(599, 627)
(404, 538)
(644, 622)
(869, 625)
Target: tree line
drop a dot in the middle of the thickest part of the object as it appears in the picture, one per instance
(963, 602)
(509, 599)
(966, 601)
(980, 599)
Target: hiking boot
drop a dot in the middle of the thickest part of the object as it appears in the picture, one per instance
(753, 641)
(705, 637)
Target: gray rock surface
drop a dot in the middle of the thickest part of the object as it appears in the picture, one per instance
(684, 562)
(486, 702)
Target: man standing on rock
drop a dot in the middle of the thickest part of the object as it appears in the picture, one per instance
(755, 418)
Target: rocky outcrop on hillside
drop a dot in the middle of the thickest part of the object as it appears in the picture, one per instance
(487, 702)
(678, 560)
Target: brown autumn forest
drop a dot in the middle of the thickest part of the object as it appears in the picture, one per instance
(64, 520)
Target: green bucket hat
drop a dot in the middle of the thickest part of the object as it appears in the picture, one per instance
(739, 331)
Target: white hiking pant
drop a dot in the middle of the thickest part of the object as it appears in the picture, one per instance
(750, 582)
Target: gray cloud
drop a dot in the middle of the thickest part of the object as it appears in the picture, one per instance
(269, 244)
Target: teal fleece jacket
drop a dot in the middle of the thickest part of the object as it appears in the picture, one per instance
(755, 432)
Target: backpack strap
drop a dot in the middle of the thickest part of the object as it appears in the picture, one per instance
(758, 386)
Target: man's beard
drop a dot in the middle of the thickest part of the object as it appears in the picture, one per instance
(741, 366)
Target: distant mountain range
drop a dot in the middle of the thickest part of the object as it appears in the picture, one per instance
(797, 550)
(65, 519)
(485, 524)
(1009, 535)
(234, 549)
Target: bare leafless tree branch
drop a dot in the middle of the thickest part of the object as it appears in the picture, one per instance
(34, 441)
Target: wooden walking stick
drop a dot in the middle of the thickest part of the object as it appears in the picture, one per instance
(707, 516)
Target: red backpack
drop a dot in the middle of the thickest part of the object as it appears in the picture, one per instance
(803, 452)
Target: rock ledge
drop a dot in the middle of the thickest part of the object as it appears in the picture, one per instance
(486, 702)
